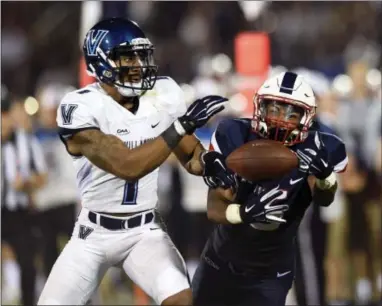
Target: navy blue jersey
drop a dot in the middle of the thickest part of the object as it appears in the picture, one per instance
(257, 246)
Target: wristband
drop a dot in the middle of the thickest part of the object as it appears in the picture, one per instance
(232, 214)
(327, 183)
(171, 136)
(186, 126)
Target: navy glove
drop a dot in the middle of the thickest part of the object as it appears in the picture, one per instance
(216, 173)
(315, 161)
(265, 206)
(200, 112)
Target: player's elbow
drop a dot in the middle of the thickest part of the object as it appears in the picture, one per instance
(130, 175)
(127, 173)
(132, 170)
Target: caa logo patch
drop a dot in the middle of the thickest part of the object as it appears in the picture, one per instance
(123, 131)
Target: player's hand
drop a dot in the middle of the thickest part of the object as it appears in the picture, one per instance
(200, 112)
(265, 207)
(216, 174)
(315, 161)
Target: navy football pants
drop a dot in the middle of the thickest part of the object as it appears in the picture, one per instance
(215, 285)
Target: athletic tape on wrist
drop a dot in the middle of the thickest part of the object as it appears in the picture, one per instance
(232, 214)
(326, 183)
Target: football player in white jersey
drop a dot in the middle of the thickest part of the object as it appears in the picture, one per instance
(119, 130)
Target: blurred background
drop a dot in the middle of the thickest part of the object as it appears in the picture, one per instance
(335, 45)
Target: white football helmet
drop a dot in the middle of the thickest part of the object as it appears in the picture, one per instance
(284, 108)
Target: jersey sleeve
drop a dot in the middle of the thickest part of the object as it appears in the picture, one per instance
(74, 114)
(339, 158)
(223, 139)
(170, 97)
(337, 151)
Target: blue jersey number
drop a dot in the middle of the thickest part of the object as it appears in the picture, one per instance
(130, 193)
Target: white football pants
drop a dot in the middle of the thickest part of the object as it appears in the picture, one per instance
(146, 254)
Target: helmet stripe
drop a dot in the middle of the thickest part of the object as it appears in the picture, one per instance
(287, 83)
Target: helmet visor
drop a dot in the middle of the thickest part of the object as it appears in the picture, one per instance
(281, 118)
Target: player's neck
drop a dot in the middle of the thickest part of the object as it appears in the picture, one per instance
(127, 102)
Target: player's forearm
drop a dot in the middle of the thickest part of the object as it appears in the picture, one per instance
(218, 202)
(324, 192)
(110, 154)
(188, 153)
(194, 165)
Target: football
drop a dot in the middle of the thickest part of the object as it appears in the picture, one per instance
(261, 160)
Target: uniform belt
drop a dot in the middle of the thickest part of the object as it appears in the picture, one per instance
(118, 224)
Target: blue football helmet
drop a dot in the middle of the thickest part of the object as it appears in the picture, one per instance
(118, 53)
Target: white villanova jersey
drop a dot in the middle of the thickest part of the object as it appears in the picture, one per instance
(91, 107)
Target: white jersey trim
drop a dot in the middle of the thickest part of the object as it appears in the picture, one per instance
(214, 143)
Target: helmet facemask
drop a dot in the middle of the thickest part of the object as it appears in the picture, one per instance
(134, 70)
(280, 119)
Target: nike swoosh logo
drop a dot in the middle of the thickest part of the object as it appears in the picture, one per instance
(247, 209)
(219, 162)
(283, 274)
(154, 125)
(292, 182)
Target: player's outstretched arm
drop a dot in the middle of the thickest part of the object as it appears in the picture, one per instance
(110, 154)
(323, 181)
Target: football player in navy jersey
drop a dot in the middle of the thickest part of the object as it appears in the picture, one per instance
(249, 258)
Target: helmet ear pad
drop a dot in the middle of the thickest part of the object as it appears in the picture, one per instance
(105, 73)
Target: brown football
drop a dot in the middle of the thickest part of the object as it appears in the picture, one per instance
(261, 160)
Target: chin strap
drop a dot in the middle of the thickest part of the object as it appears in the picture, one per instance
(128, 92)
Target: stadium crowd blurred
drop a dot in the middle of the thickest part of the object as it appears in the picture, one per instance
(336, 46)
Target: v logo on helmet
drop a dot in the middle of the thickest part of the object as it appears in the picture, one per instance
(94, 39)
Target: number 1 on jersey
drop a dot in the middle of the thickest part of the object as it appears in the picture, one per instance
(130, 193)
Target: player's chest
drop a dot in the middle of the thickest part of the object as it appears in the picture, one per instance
(147, 123)
(284, 189)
